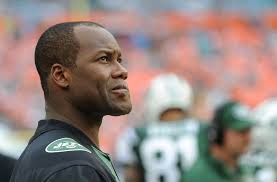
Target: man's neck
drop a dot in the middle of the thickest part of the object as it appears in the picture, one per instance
(219, 153)
(89, 125)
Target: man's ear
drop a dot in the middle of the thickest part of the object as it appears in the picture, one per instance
(60, 75)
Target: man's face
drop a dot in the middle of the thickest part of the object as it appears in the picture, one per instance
(236, 143)
(173, 114)
(99, 83)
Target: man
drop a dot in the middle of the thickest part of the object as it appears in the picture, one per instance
(230, 137)
(79, 64)
(167, 143)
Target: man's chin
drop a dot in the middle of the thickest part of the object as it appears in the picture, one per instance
(121, 110)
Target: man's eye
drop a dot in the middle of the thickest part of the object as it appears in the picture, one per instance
(103, 58)
(119, 60)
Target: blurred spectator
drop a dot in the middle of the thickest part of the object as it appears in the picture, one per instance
(229, 138)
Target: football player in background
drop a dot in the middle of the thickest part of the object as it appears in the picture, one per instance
(169, 141)
(262, 156)
(229, 137)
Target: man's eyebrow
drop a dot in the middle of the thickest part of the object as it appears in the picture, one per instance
(111, 51)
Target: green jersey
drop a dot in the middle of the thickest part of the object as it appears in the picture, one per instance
(163, 150)
(209, 169)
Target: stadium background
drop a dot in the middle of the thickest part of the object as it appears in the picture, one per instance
(224, 48)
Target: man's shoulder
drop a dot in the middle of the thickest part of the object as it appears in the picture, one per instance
(56, 149)
(65, 144)
(200, 171)
(52, 153)
(62, 172)
(77, 173)
(200, 164)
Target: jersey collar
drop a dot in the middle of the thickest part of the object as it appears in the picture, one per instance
(52, 124)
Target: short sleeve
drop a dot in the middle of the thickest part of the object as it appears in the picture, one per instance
(77, 173)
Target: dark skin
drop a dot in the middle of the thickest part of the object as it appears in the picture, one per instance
(97, 86)
(235, 144)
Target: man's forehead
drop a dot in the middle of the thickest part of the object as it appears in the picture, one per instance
(95, 36)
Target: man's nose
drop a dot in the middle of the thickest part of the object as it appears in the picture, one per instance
(120, 71)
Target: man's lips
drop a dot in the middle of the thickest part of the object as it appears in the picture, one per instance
(121, 90)
(121, 87)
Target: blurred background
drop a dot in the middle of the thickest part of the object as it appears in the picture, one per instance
(224, 48)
